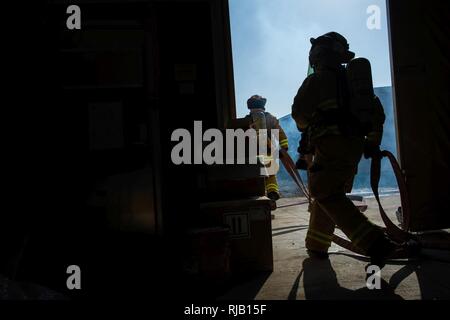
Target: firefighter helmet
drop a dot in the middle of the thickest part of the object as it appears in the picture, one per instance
(331, 46)
(256, 102)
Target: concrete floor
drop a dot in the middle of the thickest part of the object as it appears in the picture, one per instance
(298, 277)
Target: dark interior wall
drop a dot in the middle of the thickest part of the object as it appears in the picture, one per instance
(223, 62)
(157, 60)
(86, 82)
(420, 34)
(186, 94)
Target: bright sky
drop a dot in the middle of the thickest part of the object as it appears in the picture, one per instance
(270, 42)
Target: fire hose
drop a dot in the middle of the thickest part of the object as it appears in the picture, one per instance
(393, 231)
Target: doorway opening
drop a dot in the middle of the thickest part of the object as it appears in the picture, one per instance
(270, 42)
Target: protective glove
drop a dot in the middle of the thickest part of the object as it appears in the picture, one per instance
(371, 149)
(301, 163)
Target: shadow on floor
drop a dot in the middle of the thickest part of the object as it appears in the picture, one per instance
(288, 231)
(246, 287)
(320, 283)
(432, 276)
(431, 270)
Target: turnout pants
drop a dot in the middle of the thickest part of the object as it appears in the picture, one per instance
(330, 178)
(271, 181)
(272, 184)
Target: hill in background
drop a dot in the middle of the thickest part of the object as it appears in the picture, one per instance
(362, 180)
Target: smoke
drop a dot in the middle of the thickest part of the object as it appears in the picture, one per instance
(270, 42)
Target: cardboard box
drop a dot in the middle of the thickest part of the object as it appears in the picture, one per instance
(229, 182)
(250, 234)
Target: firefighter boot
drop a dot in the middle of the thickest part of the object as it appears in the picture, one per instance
(380, 251)
(272, 188)
(320, 255)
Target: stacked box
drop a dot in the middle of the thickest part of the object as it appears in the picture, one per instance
(250, 234)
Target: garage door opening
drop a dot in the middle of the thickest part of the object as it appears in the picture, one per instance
(270, 43)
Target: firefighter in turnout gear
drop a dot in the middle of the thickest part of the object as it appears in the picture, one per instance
(327, 114)
(260, 119)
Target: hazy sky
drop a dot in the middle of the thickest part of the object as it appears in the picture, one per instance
(270, 40)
